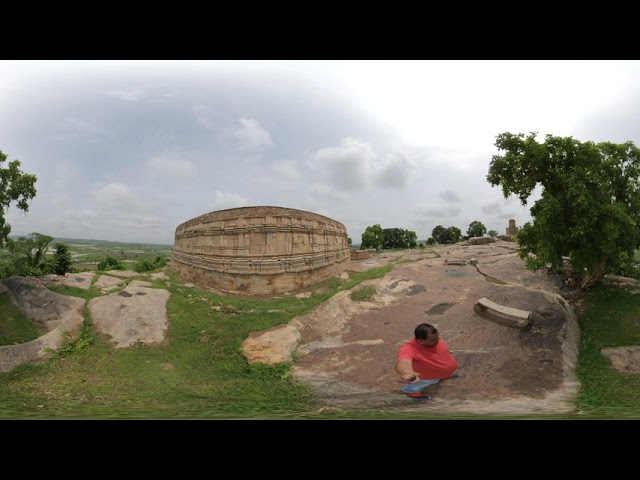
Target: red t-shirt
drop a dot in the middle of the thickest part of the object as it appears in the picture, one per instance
(429, 362)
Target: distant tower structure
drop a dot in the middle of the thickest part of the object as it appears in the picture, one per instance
(512, 229)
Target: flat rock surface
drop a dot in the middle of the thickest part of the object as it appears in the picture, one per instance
(347, 348)
(136, 314)
(79, 280)
(58, 314)
(624, 359)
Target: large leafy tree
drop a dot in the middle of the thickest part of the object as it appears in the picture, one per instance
(410, 238)
(15, 186)
(372, 237)
(589, 210)
(447, 235)
(476, 229)
(392, 238)
(399, 238)
(28, 253)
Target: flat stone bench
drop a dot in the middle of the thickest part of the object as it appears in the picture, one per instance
(454, 261)
(522, 318)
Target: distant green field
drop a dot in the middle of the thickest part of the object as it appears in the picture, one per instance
(86, 254)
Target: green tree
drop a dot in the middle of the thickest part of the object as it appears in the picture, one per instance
(476, 229)
(28, 253)
(15, 186)
(61, 261)
(454, 234)
(444, 235)
(399, 238)
(372, 237)
(492, 233)
(109, 263)
(589, 210)
(392, 238)
(410, 238)
(439, 234)
(145, 265)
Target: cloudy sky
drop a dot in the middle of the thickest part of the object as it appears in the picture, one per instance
(128, 150)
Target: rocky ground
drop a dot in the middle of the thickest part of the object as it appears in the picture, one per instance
(345, 349)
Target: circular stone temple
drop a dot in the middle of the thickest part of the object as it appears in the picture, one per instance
(260, 250)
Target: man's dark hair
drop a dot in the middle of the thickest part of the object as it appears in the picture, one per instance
(423, 331)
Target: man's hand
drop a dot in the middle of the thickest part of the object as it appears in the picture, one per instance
(411, 378)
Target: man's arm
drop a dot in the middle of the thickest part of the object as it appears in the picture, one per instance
(405, 370)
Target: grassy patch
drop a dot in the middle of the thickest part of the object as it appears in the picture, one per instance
(609, 319)
(15, 327)
(81, 343)
(86, 294)
(363, 294)
(199, 371)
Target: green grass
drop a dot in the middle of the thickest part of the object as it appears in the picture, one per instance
(611, 319)
(199, 371)
(363, 294)
(15, 327)
(87, 294)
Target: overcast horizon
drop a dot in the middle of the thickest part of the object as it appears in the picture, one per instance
(126, 151)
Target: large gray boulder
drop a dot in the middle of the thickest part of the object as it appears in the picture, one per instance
(59, 315)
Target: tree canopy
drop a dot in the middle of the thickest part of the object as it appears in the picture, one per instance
(398, 238)
(15, 186)
(372, 237)
(589, 210)
(476, 229)
(444, 235)
(377, 237)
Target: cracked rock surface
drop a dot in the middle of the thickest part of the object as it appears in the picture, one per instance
(345, 349)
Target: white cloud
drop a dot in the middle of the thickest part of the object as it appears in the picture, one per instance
(203, 117)
(321, 193)
(76, 214)
(362, 142)
(491, 208)
(449, 196)
(346, 167)
(139, 94)
(132, 95)
(396, 173)
(121, 198)
(286, 169)
(84, 129)
(224, 201)
(251, 135)
(172, 167)
(438, 211)
(114, 195)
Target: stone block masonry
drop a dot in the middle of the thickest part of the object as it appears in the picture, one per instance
(260, 250)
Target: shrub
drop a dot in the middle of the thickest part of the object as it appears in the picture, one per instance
(364, 293)
(110, 263)
(61, 260)
(145, 265)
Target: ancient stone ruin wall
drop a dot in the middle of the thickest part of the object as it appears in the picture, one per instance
(260, 250)
(362, 254)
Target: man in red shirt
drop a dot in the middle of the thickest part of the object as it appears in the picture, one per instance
(425, 360)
